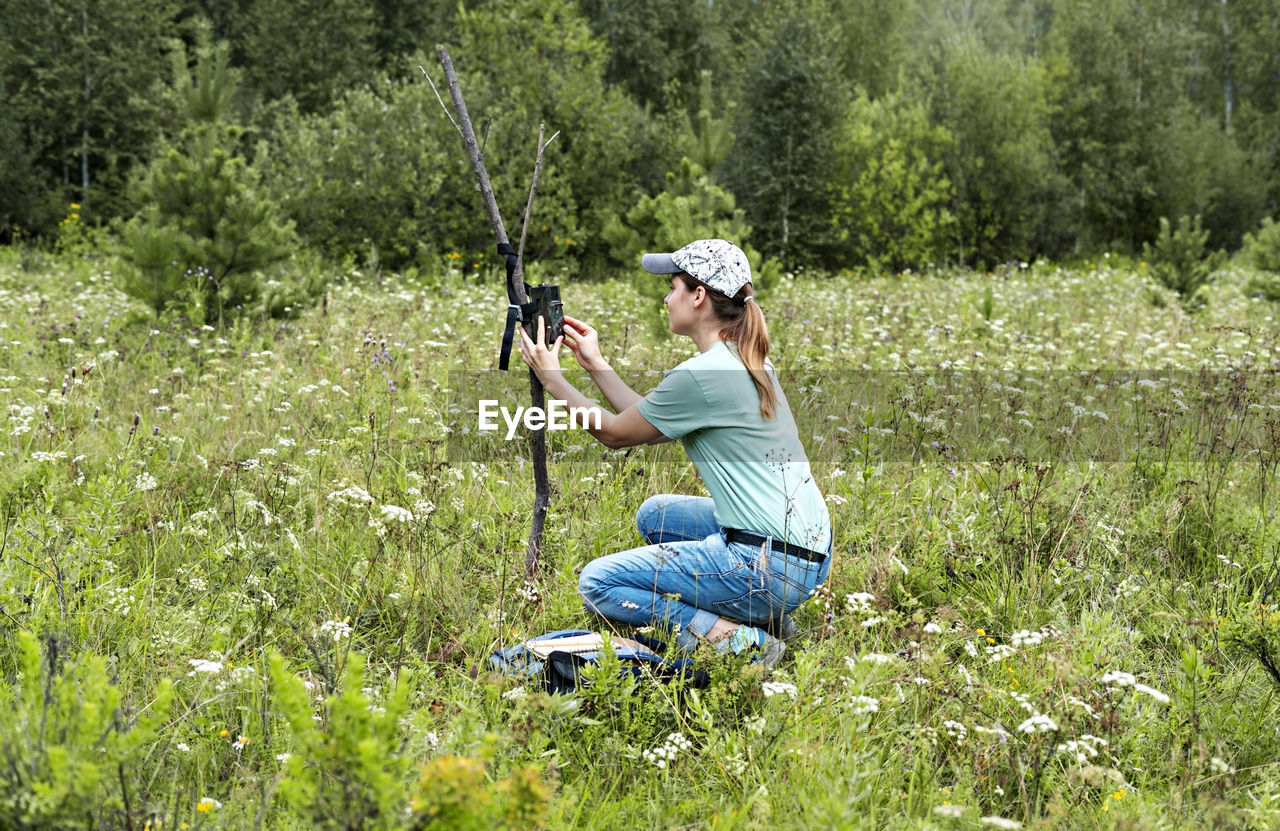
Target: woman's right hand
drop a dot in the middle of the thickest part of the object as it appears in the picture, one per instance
(583, 340)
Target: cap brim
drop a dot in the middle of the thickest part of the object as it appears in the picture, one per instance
(659, 264)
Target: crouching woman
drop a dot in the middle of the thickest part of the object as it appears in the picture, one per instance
(730, 568)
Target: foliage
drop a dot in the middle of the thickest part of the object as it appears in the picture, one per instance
(350, 767)
(75, 121)
(1200, 170)
(1262, 252)
(206, 229)
(692, 207)
(1262, 248)
(790, 104)
(1179, 260)
(332, 49)
(1000, 161)
(74, 755)
(197, 499)
(894, 198)
(386, 170)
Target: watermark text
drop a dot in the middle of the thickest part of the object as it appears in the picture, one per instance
(557, 416)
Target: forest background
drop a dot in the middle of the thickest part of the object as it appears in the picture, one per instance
(846, 135)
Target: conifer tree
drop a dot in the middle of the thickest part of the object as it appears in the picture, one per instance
(205, 228)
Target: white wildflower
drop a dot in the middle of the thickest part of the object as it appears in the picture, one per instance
(338, 629)
(861, 704)
(1001, 822)
(772, 688)
(1116, 678)
(1038, 723)
(203, 666)
(394, 513)
(1154, 693)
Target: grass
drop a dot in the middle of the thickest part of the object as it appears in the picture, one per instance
(1037, 614)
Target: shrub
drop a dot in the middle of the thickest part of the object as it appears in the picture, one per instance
(692, 207)
(1178, 258)
(70, 753)
(1262, 249)
(354, 769)
(893, 195)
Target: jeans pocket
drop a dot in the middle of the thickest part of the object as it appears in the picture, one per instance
(757, 603)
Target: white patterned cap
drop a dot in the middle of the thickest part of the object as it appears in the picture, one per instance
(718, 263)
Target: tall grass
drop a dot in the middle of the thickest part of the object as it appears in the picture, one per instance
(217, 536)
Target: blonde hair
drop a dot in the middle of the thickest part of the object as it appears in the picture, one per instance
(744, 325)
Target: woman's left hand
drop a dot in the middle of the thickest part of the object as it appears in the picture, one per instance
(540, 359)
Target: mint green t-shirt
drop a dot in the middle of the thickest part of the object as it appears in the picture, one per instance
(755, 469)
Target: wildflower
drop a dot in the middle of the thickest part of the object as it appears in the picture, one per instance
(240, 742)
(876, 658)
(352, 495)
(863, 704)
(1220, 767)
(145, 482)
(207, 804)
(394, 513)
(956, 730)
(859, 601)
(201, 665)
(1116, 678)
(772, 688)
(1154, 693)
(183, 746)
(1038, 723)
(339, 629)
(948, 810)
(222, 734)
(515, 694)
(1001, 822)
(283, 757)
(932, 629)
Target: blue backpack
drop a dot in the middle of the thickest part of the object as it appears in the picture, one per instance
(558, 666)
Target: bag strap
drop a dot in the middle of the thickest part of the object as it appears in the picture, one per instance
(515, 312)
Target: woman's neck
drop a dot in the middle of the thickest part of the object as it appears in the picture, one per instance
(706, 337)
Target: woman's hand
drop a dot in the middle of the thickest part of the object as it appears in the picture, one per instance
(584, 342)
(541, 360)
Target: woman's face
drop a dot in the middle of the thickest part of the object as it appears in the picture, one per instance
(679, 303)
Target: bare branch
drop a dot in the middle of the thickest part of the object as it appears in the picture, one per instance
(448, 114)
(528, 208)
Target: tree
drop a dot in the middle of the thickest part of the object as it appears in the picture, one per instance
(780, 165)
(1008, 191)
(205, 227)
(1115, 66)
(893, 207)
(70, 73)
(384, 168)
(312, 50)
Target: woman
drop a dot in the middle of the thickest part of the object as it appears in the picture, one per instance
(728, 568)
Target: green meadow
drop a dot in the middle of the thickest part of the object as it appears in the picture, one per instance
(251, 576)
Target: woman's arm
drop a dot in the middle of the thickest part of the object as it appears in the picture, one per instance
(584, 342)
(625, 429)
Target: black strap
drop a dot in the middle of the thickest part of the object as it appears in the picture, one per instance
(515, 312)
(733, 535)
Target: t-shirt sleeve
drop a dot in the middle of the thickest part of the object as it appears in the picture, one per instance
(676, 406)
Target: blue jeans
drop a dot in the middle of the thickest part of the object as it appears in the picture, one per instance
(688, 576)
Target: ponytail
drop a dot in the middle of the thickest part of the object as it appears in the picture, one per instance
(744, 324)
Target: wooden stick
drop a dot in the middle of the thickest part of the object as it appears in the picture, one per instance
(538, 438)
(477, 159)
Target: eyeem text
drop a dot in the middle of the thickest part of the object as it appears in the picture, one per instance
(557, 416)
